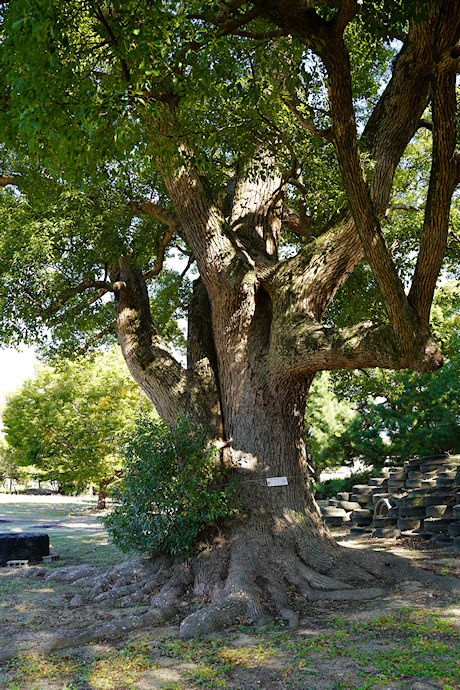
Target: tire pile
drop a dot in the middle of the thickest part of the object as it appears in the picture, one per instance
(29, 547)
(421, 498)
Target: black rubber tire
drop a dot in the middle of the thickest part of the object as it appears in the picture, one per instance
(362, 489)
(412, 464)
(428, 484)
(408, 523)
(379, 495)
(456, 545)
(439, 511)
(376, 481)
(382, 521)
(413, 501)
(413, 483)
(335, 520)
(349, 505)
(446, 490)
(443, 541)
(361, 522)
(397, 473)
(359, 498)
(435, 525)
(446, 482)
(412, 511)
(395, 484)
(429, 467)
(440, 459)
(386, 532)
(343, 496)
(362, 513)
(332, 511)
(436, 500)
(454, 529)
(456, 512)
(382, 507)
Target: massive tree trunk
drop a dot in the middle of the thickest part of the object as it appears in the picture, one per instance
(260, 339)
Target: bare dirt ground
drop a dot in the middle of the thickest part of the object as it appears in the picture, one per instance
(407, 638)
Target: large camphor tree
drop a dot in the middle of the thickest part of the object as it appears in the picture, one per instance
(237, 128)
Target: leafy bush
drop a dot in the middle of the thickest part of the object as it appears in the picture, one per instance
(173, 487)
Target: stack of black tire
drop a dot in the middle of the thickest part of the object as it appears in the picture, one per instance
(443, 508)
(338, 511)
(423, 497)
(454, 526)
(28, 547)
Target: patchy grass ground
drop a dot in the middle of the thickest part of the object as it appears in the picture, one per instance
(408, 639)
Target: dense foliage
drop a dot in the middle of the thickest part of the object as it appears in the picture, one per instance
(172, 488)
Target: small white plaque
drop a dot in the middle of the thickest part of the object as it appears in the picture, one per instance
(277, 481)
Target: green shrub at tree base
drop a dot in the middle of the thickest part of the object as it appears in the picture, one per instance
(173, 487)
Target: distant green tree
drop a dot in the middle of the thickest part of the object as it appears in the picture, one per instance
(68, 421)
(326, 419)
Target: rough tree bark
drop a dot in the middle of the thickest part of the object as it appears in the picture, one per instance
(260, 339)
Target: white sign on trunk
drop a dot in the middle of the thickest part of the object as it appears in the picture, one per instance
(277, 481)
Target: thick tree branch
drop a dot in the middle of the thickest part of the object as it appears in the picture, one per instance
(442, 183)
(160, 252)
(302, 347)
(162, 214)
(359, 198)
(100, 285)
(344, 15)
(8, 179)
(305, 284)
(173, 390)
(202, 223)
(398, 114)
(296, 224)
(401, 207)
(165, 216)
(256, 208)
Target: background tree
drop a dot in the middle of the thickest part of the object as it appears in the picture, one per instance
(70, 420)
(404, 414)
(327, 417)
(10, 470)
(231, 126)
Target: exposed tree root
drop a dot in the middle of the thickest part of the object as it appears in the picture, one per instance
(112, 629)
(253, 576)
